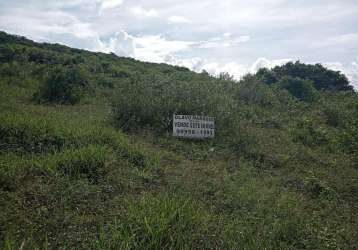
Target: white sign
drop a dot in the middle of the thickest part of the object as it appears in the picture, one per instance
(193, 126)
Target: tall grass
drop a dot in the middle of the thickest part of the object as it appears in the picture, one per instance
(164, 222)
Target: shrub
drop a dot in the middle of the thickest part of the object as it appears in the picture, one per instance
(15, 73)
(64, 85)
(252, 91)
(299, 88)
(309, 133)
(150, 102)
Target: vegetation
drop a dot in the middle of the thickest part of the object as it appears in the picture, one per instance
(87, 160)
(322, 78)
(63, 85)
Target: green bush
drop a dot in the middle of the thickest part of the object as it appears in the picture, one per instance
(310, 134)
(299, 88)
(150, 102)
(64, 85)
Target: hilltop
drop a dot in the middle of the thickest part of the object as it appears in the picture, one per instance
(87, 160)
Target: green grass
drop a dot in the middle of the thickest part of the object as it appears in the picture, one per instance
(167, 221)
(68, 179)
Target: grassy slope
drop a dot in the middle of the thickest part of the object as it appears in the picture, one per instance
(69, 179)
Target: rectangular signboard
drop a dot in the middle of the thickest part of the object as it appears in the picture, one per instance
(193, 126)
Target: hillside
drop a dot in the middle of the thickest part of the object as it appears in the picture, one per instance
(87, 160)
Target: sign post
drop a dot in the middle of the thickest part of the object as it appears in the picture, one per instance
(193, 126)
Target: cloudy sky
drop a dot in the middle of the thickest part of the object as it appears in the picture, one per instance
(234, 36)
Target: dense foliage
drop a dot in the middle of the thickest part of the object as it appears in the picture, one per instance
(87, 160)
(321, 77)
(63, 85)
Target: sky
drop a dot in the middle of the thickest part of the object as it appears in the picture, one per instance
(233, 36)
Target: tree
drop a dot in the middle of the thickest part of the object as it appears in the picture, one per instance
(266, 76)
(322, 78)
(225, 76)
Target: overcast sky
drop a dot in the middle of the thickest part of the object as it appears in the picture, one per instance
(231, 36)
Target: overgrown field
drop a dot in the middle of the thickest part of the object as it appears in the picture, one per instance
(87, 160)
